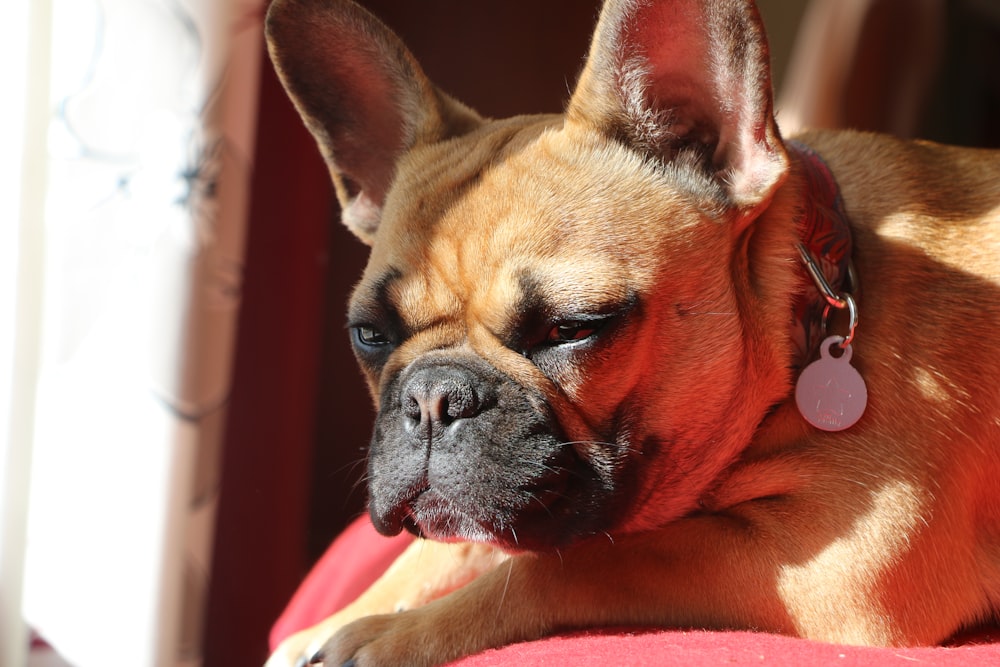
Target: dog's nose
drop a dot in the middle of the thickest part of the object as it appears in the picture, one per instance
(440, 395)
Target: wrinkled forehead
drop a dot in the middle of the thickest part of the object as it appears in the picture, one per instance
(528, 211)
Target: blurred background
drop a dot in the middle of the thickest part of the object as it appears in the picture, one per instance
(182, 425)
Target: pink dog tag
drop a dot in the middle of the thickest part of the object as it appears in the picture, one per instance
(831, 394)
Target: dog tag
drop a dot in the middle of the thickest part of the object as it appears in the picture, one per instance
(831, 394)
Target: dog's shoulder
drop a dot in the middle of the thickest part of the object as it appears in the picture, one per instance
(931, 195)
(856, 152)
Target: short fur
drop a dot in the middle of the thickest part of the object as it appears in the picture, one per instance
(576, 331)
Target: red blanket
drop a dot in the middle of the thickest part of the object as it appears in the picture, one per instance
(360, 555)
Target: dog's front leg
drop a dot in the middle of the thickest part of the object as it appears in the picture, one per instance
(686, 575)
(763, 570)
(425, 571)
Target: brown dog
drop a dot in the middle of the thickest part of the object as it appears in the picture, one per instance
(586, 333)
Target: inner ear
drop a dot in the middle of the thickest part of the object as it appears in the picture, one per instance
(659, 82)
(362, 95)
(680, 76)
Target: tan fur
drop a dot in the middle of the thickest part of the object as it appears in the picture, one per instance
(740, 515)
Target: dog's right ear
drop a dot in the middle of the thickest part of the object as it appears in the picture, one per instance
(361, 94)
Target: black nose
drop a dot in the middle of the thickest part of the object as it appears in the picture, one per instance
(440, 395)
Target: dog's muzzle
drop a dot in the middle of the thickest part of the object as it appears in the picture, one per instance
(461, 451)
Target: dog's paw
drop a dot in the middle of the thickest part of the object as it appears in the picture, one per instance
(387, 640)
(298, 650)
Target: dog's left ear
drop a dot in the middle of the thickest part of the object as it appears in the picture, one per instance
(669, 76)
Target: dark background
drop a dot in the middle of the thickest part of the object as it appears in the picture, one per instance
(300, 416)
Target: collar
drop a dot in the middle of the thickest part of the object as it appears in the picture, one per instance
(824, 232)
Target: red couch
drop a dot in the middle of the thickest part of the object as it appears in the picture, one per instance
(360, 555)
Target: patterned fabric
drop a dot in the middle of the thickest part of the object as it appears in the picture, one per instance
(148, 160)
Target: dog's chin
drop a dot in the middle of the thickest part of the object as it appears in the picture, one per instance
(443, 524)
(553, 520)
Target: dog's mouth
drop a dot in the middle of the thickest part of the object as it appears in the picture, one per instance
(431, 516)
(542, 514)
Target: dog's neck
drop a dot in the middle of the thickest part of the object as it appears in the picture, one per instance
(825, 232)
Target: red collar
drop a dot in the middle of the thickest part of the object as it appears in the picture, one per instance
(825, 232)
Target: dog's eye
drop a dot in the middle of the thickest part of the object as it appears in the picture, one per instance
(568, 332)
(371, 336)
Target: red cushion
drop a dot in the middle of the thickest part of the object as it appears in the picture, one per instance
(360, 555)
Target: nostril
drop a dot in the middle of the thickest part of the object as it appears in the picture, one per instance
(442, 410)
(411, 408)
(439, 396)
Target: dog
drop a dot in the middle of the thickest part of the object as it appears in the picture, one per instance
(649, 363)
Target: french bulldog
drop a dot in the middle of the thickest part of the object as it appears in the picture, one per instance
(647, 362)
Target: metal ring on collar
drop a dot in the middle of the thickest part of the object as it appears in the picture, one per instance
(852, 313)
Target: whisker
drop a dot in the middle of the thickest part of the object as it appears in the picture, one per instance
(707, 305)
(708, 312)
(506, 586)
(351, 466)
(618, 447)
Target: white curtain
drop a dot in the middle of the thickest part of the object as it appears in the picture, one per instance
(132, 133)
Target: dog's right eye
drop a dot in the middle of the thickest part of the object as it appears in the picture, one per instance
(568, 332)
(370, 336)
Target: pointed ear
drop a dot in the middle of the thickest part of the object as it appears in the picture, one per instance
(361, 94)
(668, 76)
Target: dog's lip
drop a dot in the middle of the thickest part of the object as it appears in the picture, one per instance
(546, 493)
(398, 515)
(430, 515)
(409, 522)
(426, 513)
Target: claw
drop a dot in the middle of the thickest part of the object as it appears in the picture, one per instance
(319, 657)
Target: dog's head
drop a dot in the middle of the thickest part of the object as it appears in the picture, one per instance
(558, 321)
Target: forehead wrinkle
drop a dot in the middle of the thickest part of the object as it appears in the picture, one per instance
(580, 287)
(447, 260)
(496, 305)
(426, 299)
(431, 179)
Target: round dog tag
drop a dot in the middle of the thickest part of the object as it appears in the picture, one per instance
(831, 394)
